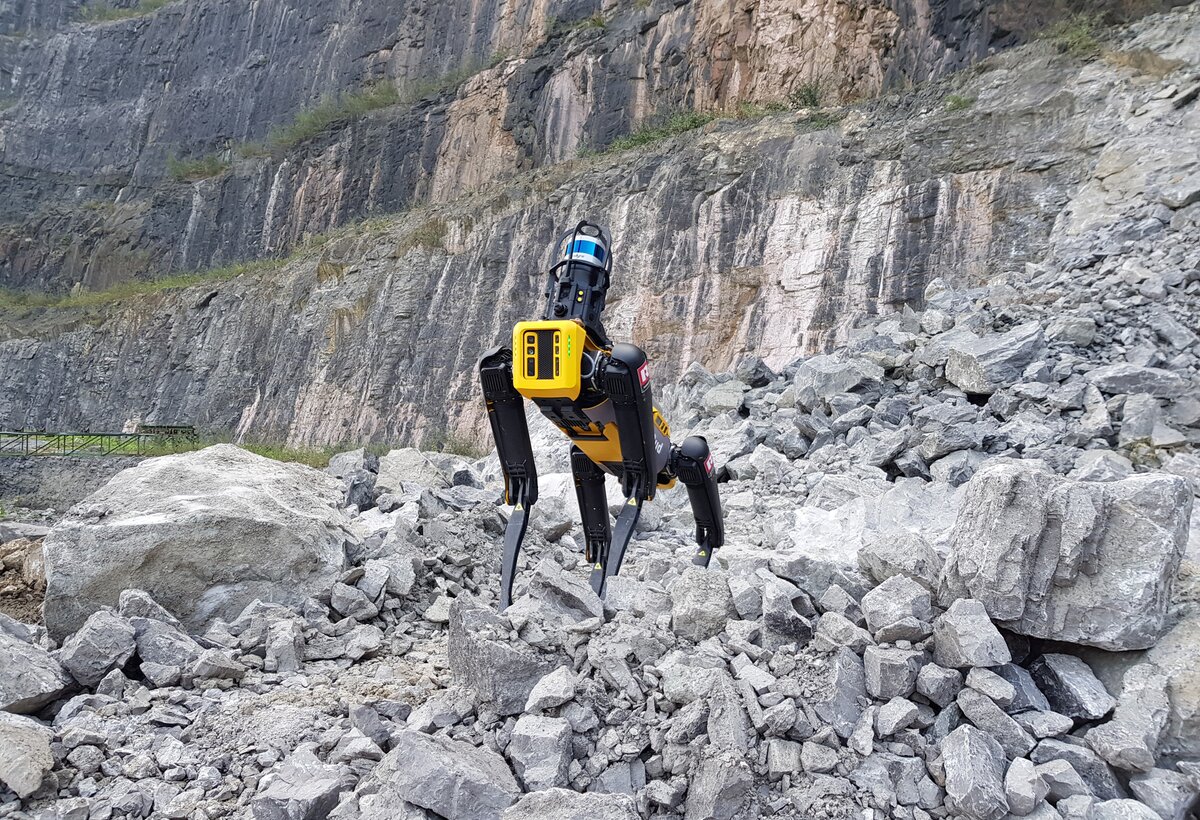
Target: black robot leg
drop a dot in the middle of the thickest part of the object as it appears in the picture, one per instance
(694, 467)
(593, 505)
(627, 384)
(506, 413)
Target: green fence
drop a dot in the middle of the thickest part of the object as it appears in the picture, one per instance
(148, 439)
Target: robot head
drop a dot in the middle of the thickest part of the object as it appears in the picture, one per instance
(577, 285)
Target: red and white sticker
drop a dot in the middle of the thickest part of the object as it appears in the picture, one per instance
(644, 374)
(708, 464)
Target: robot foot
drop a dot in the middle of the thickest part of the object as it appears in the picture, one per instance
(514, 534)
(609, 564)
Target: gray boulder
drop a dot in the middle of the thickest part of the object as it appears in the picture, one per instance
(964, 636)
(1024, 787)
(1171, 794)
(300, 788)
(821, 377)
(839, 703)
(1122, 810)
(30, 677)
(1071, 687)
(985, 364)
(701, 603)
(105, 642)
(893, 600)
(721, 786)
(902, 553)
(975, 767)
(408, 466)
(450, 778)
(484, 658)
(564, 804)
(1070, 561)
(1130, 740)
(1116, 379)
(540, 751)
(208, 532)
(25, 755)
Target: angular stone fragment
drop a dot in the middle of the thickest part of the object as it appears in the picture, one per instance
(783, 757)
(1044, 724)
(540, 751)
(840, 703)
(1099, 776)
(905, 553)
(783, 621)
(896, 598)
(163, 644)
(482, 657)
(701, 604)
(300, 788)
(964, 636)
(25, 756)
(104, 642)
(285, 648)
(986, 715)
(1024, 787)
(554, 689)
(1130, 740)
(834, 630)
(30, 677)
(1061, 779)
(819, 378)
(564, 804)
(1026, 695)
(985, 364)
(721, 786)
(1070, 686)
(450, 778)
(975, 766)
(891, 672)
(1171, 794)
(987, 682)
(939, 684)
(1122, 810)
(817, 758)
(1115, 379)
(898, 713)
(1079, 562)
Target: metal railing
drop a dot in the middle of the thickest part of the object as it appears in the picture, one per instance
(148, 440)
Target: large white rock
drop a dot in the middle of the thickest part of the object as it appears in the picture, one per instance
(1081, 562)
(985, 364)
(30, 677)
(205, 533)
(408, 466)
(24, 753)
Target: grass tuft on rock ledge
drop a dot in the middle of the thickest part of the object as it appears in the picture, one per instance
(1077, 35)
(21, 299)
(103, 13)
(650, 134)
(194, 170)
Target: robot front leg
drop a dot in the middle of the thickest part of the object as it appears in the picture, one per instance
(694, 467)
(593, 506)
(626, 382)
(506, 413)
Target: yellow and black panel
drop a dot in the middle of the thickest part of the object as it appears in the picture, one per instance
(548, 359)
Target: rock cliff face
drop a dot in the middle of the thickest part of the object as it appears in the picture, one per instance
(102, 113)
(771, 234)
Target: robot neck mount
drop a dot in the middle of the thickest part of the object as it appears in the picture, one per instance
(577, 285)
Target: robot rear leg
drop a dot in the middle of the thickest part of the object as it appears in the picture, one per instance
(593, 506)
(694, 467)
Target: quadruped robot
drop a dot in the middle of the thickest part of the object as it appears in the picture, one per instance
(599, 395)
